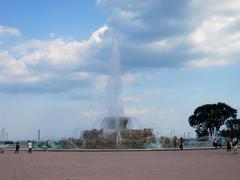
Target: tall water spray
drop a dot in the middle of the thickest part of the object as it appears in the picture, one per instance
(115, 108)
(115, 119)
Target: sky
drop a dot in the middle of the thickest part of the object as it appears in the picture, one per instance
(55, 61)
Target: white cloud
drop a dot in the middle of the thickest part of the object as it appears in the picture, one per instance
(10, 66)
(131, 99)
(151, 34)
(52, 35)
(133, 111)
(39, 62)
(128, 78)
(218, 6)
(208, 63)
(161, 45)
(197, 29)
(101, 83)
(97, 35)
(8, 31)
(216, 36)
(80, 75)
(59, 54)
(56, 53)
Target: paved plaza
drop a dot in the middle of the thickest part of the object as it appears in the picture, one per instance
(145, 165)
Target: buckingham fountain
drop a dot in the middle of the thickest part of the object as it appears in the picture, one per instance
(116, 129)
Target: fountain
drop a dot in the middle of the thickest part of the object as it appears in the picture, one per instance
(116, 129)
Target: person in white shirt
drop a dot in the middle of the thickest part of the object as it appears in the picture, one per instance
(29, 147)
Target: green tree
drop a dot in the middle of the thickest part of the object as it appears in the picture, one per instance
(232, 128)
(207, 117)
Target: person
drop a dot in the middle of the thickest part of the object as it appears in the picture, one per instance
(215, 143)
(17, 147)
(1, 151)
(229, 148)
(234, 146)
(181, 143)
(29, 147)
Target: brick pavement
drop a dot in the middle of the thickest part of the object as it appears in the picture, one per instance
(152, 165)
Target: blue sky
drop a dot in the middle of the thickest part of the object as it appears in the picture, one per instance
(55, 56)
(68, 18)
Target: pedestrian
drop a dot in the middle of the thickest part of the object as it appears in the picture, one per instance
(181, 143)
(29, 147)
(229, 145)
(17, 147)
(234, 146)
(215, 143)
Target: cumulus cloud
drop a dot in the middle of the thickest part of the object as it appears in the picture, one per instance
(218, 35)
(208, 63)
(51, 65)
(151, 34)
(161, 33)
(8, 31)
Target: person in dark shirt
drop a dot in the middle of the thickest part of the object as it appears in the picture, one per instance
(215, 143)
(181, 143)
(229, 148)
(17, 147)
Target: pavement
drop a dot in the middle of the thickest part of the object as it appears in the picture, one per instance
(139, 165)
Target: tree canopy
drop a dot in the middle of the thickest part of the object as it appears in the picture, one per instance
(232, 128)
(207, 117)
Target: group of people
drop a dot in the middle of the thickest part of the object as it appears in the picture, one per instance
(231, 144)
(29, 145)
(177, 142)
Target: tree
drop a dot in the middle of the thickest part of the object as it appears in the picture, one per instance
(232, 128)
(207, 117)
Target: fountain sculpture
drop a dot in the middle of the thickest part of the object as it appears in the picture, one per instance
(116, 129)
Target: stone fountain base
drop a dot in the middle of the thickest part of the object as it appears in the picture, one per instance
(124, 139)
(115, 133)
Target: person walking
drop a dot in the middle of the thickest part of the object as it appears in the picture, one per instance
(181, 143)
(234, 146)
(17, 147)
(229, 148)
(29, 147)
(215, 143)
